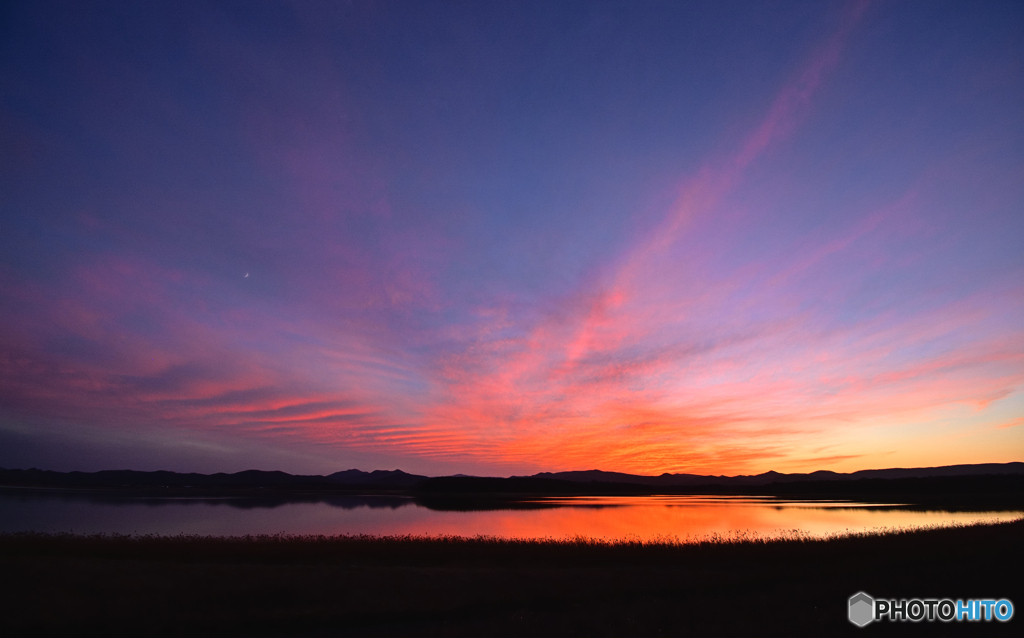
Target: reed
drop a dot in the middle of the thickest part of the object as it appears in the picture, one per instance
(283, 585)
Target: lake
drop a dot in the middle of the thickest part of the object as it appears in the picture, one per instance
(608, 517)
(612, 517)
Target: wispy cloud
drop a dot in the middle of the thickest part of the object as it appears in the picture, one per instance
(352, 241)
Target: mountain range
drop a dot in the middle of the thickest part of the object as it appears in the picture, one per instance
(379, 479)
(686, 480)
(399, 480)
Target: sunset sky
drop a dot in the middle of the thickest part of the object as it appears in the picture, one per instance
(508, 237)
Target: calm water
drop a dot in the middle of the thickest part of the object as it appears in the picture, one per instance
(601, 517)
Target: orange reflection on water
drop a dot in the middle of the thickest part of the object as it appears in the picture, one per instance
(678, 517)
(648, 517)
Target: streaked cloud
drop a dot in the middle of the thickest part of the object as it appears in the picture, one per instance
(675, 239)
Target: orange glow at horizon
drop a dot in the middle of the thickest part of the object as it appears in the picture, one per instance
(587, 242)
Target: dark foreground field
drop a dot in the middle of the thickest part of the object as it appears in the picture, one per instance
(67, 585)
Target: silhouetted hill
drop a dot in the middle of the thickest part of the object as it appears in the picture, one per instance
(767, 478)
(997, 476)
(445, 485)
(247, 479)
(393, 478)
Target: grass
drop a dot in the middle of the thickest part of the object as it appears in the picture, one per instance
(782, 584)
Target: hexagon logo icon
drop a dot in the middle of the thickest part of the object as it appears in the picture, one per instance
(862, 608)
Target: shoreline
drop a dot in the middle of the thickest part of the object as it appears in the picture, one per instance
(137, 544)
(1009, 500)
(458, 586)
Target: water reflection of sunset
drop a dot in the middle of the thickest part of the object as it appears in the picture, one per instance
(658, 517)
(648, 517)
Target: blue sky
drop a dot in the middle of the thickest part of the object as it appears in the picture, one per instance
(511, 237)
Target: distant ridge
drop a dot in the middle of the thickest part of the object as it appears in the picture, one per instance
(545, 481)
(686, 480)
(380, 479)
